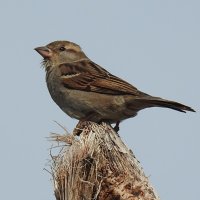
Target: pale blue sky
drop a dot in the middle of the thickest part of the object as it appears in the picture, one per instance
(154, 45)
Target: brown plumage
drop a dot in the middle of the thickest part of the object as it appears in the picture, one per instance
(86, 91)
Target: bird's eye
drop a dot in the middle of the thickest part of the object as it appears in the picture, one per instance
(62, 48)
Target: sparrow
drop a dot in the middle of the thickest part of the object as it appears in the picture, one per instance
(86, 91)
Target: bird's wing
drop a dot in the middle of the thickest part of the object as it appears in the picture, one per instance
(85, 75)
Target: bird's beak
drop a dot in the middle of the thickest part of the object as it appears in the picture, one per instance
(45, 52)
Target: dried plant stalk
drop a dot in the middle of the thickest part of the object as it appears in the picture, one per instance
(98, 166)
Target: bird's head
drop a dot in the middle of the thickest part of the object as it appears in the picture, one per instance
(60, 52)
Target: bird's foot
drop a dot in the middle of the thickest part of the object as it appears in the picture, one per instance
(116, 128)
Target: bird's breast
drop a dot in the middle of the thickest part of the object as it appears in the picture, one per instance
(80, 104)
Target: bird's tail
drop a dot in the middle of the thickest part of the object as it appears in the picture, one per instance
(150, 101)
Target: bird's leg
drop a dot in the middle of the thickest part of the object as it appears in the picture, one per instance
(116, 128)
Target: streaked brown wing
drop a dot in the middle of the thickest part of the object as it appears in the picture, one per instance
(88, 76)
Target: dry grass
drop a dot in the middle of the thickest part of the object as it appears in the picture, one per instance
(97, 166)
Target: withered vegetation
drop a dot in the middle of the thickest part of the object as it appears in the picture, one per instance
(97, 165)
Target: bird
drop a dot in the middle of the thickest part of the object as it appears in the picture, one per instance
(86, 91)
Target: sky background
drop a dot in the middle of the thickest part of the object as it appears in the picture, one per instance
(154, 45)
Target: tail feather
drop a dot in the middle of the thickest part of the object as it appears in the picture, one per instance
(159, 102)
